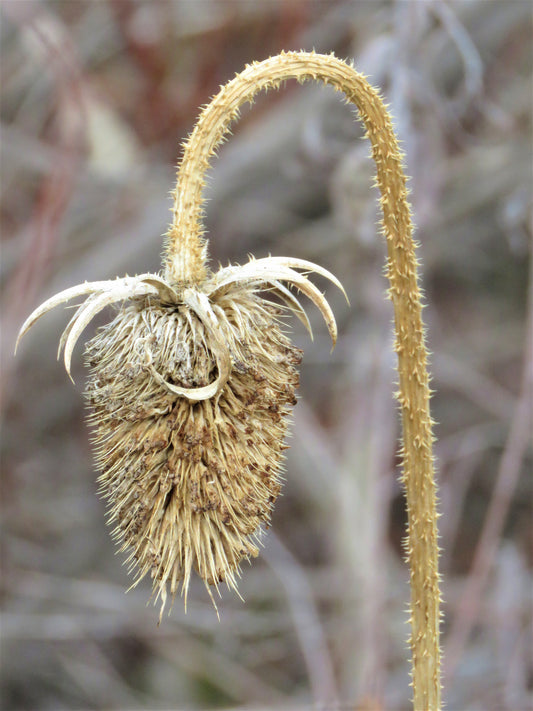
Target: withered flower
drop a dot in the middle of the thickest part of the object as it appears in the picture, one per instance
(190, 388)
(190, 385)
(189, 391)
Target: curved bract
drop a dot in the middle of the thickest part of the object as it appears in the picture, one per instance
(259, 275)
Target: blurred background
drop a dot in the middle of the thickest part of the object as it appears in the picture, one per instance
(96, 99)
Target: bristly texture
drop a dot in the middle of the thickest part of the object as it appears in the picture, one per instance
(189, 392)
(189, 484)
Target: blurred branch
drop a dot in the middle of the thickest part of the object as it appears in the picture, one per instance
(508, 475)
(55, 191)
(306, 621)
(203, 660)
(472, 64)
(479, 388)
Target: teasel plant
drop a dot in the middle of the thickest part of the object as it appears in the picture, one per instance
(191, 384)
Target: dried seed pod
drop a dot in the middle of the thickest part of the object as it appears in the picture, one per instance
(190, 483)
(189, 391)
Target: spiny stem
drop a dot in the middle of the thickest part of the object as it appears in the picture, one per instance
(186, 252)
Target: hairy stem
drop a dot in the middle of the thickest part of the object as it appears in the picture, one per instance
(186, 253)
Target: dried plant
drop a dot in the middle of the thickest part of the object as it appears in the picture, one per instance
(191, 384)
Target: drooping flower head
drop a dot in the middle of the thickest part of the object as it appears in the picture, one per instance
(189, 391)
(190, 386)
(191, 383)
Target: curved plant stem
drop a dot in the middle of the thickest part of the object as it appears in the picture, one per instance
(186, 253)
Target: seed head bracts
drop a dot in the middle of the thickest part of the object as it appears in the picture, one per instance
(189, 392)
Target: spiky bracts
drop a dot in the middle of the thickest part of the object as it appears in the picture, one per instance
(189, 392)
(190, 484)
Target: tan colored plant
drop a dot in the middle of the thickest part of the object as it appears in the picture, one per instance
(191, 383)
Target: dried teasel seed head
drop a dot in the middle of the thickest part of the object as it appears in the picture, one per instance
(189, 483)
(190, 388)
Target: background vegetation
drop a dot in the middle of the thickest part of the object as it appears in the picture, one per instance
(96, 97)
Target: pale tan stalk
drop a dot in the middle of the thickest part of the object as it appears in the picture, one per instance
(186, 253)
